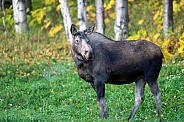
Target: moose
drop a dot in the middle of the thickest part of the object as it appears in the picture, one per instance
(100, 60)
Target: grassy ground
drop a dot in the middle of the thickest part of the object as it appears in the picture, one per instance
(54, 92)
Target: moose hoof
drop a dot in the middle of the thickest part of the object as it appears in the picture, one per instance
(130, 117)
(105, 115)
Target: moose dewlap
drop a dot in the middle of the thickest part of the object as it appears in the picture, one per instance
(100, 60)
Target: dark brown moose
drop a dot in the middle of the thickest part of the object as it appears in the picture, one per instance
(100, 60)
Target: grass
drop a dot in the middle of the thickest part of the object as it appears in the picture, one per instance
(54, 92)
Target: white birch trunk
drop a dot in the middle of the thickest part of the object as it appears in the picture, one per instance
(121, 23)
(20, 18)
(100, 16)
(168, 17)
(67, 19)
(82, 14)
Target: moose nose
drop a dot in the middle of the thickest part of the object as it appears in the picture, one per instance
(88, 54)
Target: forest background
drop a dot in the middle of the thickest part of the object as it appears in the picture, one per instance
(145, 22)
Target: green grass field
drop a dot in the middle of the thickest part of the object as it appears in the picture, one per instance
(45, 92)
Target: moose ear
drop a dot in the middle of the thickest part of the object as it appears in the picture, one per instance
(89, 30)
(73, 29)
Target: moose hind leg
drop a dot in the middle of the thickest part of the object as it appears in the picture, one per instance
(139, 96)
(157, 95)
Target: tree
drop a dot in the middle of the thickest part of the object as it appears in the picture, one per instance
(168, 17)
(122, 18)
(67, 19)
(82, 14)
(20, 18)
(100, 16)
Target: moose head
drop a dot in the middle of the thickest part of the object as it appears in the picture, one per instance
(80, 41)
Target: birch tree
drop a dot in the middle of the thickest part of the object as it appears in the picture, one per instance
(122, 18)
(100, 16)
(168, 17)
(20, 18)
(67, 19)
(82, 14)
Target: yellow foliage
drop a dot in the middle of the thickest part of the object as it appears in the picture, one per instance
(182, 36)
(89, 8)
(109, 5)
(140, 22)
(47, 2)
(160, 27)
(112, 15)
(155, 37)
(166, 42)
(133, 37)
(172, 48)
(93, 15)
(39, 14)
(47, 24)
(176, 7)
(157, 14)
(107, 21)
(181, 2)
(166, 54)
(180, 50)
(54, 30)
(58, 7)
(181, 44)
(39, 19)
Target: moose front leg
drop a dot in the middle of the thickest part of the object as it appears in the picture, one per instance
(100, 90)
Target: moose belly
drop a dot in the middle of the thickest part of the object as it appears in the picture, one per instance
(123, 79)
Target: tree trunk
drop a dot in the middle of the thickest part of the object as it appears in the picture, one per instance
(122, 18)
(100, 16)
(20, 18)
(168, 17)
(67, 19)
(82, 14)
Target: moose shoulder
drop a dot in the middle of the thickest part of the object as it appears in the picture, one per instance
(100, 60)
